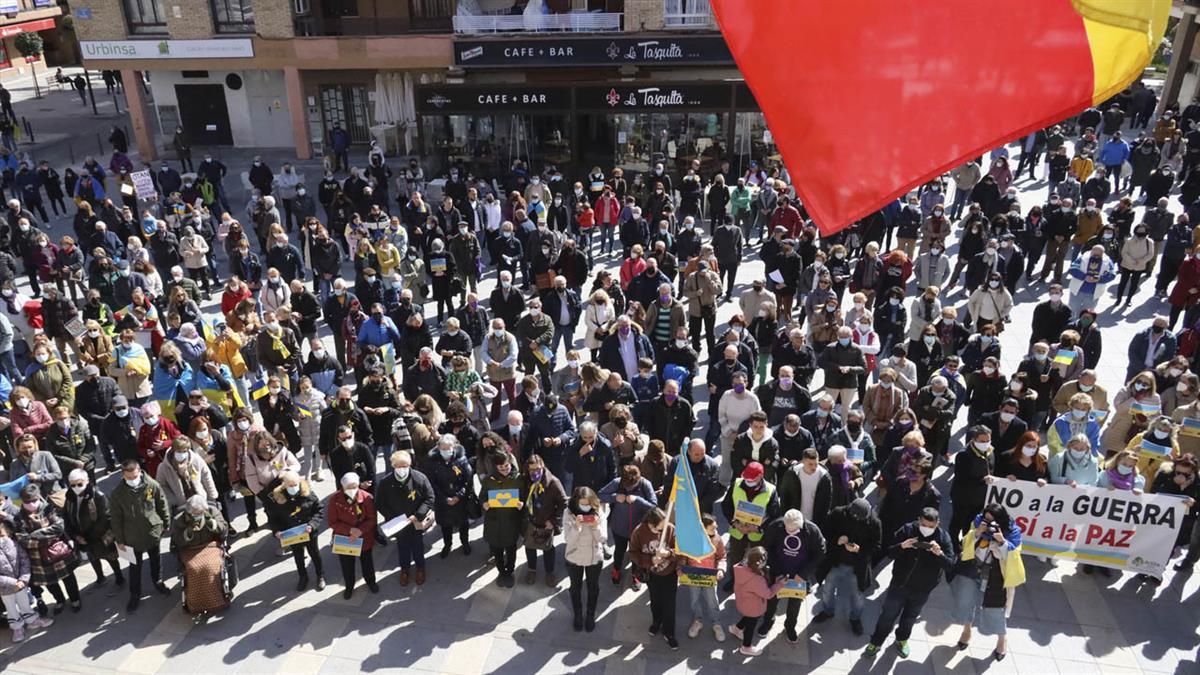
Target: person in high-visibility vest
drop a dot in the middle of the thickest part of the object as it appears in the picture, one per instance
(749, 506)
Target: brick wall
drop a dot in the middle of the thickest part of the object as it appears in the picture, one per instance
(273, 18)
(643, 15)
(107, 22)
(189, 19)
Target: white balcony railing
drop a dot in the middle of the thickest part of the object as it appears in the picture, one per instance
(695, 14)
(576, 22)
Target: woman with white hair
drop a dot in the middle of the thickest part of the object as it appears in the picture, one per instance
(86, 514)
(452, 476)
(352, 515)
(196, 535)
(292, 504)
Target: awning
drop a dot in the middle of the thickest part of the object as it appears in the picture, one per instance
(26, 27)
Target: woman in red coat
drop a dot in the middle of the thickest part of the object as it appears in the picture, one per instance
(352, 514)
(1187, 287)
(154, 438)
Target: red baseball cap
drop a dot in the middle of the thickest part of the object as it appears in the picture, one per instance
(753, 472)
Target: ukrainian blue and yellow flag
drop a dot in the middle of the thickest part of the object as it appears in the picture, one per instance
(304, 410)
(258, 389)
(690, 538)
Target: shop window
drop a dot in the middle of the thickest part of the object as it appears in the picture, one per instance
(487, 144)
(4, 62)
(753, 144)
(233, 16)
(145, 17)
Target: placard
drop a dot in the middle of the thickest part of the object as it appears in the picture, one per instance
(1149, 447)
(143, 184)
(1147, 409)
(295, 535)
(1190, 427)
(749, 513)
(504, 499)
(391, 527)
(856, 455)
(794, 589)
(127, 554)
(1065, 356)
(704, 577)
(1093, 525)
(347, 546)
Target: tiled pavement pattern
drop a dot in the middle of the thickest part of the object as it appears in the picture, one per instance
(460, 622)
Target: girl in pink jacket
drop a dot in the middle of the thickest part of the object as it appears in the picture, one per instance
(751, 593)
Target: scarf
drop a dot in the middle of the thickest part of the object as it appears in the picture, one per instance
(1120, 482)
(910, 455)
(536, 492)
(843, 473)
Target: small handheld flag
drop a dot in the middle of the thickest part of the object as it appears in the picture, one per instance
(1065, 357)
(258, 389)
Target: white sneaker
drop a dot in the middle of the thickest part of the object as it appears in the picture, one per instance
(750, 651)
(18, 634)
(718, 633)
(318, 475)
(735, 631)
(694, 629)
(40, 622)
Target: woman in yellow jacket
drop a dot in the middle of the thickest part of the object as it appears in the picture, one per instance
(986, 576)
(226, 350)
(388, 258)
(1162, 434)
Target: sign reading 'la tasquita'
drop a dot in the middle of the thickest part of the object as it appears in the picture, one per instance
(657, 51)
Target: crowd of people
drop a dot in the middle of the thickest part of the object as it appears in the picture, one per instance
(225, 359)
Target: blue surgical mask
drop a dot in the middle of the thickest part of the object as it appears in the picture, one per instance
(1124, 470)
(843, 341)
(293, 490)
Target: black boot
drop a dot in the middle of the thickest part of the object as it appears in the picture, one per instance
(589, 621)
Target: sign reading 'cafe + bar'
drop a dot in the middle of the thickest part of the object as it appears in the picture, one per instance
(644, 51)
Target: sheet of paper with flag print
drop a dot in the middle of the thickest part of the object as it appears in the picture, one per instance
(867, 99)
(690, 538)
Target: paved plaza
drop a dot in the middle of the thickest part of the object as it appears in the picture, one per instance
(461, 622)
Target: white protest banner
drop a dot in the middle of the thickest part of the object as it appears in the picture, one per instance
(143, 184)
(1096, 526)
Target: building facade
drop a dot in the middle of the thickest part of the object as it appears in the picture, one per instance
(45, 17)
(574, 83)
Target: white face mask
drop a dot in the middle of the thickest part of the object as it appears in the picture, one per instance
(1007, 417)
(243, 425)
(150, 421)
(180, 457)
(202, 434)
(93, 334)
(401, 472)
(586, 508)
(926, 531)
(78, 489)
(318, 353)
(350, 493)
(1029, 450)
(348, 443)
(981, 445)
(988, 370)
(133, 483)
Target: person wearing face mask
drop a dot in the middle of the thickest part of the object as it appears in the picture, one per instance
(276, 345)
(990, 303)
(1151, 347)
(197, 534)
(842, 362)
(139, 514)
(70, 441)
(86, 516)
(1161, 433)
(406, 494)
(49, 379)
(1024, 461)
(1077, 465)
(1042, 377)
(652, 548)
(503, 523)
(922, 551)
(1090, 273)
(351, 513)
(1178, 478)
(451, 475)
(1166, 376)
(973, 472)
(988, 571)
(292, 504)
(1140, 390)
(584, 531)
(543, 507)
(38, 528)
(855, 534)
(534, 333)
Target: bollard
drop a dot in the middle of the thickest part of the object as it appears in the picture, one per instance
(70, 150)
(28, 129)
(100, 145)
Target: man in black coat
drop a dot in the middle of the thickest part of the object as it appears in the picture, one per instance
(793, 440)
(343, 413)
(118, 431)
(563, 307)
(405, 493)
(669, 418)
(590, 459)
(1050, 317)
(506, 302)
(335, 310)
(1005, 426)
(94, 398)
(518, 435)
(198, 405)
(853, 534)
(923, 552)
(705, 474)
(795, 549)
(807, 475)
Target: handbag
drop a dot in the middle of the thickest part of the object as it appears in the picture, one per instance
(59, 550)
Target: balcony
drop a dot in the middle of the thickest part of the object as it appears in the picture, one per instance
(688, 15)
(570, 22)
(371, 17)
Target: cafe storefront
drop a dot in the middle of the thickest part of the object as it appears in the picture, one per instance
(580, 102)
(485, 127)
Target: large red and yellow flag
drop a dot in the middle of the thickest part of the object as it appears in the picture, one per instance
(868, 98)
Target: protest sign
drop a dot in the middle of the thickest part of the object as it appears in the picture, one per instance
(1096, 526)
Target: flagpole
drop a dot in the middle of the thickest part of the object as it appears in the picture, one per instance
(662, 538)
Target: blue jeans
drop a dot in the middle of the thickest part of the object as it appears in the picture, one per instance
(606, 239)
(564, 334)
(704, 603)
(841, 581)
(8, 365)
(324, 287)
